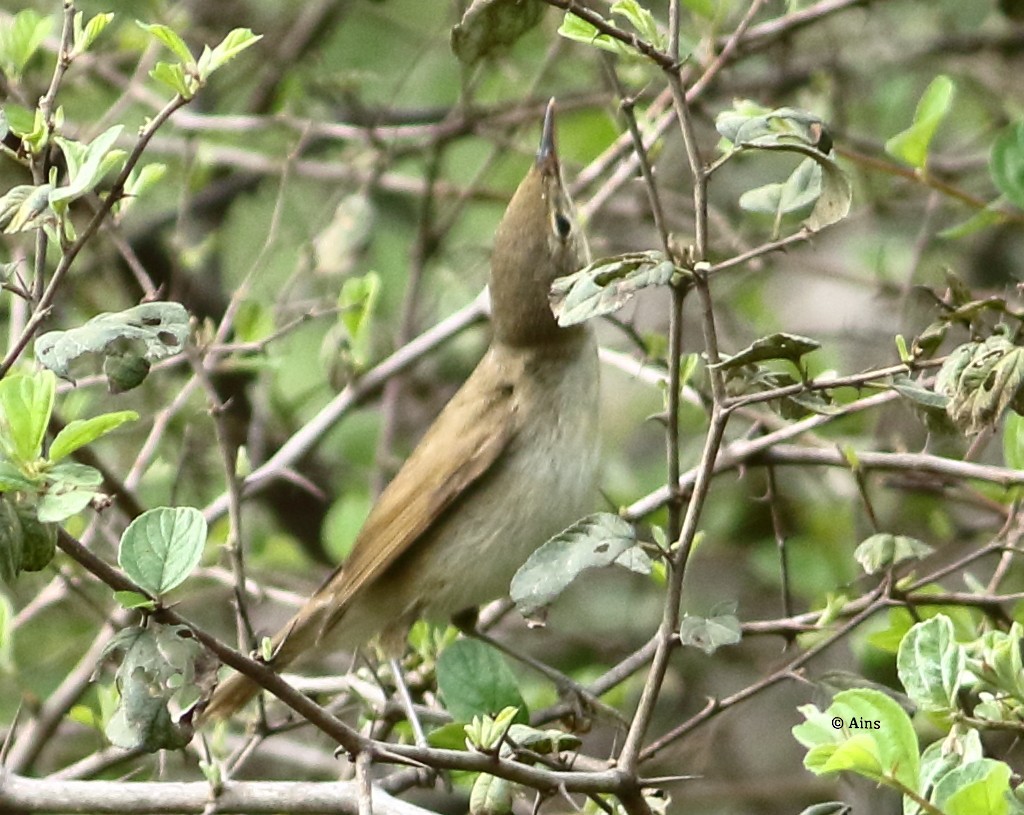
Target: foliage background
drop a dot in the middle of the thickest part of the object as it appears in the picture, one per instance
(350, 139)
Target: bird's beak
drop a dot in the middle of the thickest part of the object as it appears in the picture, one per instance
(547, 157)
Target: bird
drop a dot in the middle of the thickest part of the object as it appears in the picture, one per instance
(509, 462)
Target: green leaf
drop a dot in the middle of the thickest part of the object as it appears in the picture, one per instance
(595, 541)
(790, 347)
(171, 39)
(978, 788)
(161, 547)
(1006, 163)
(911, 145)
(451, 736)
(26, 207)
(710, 633)
(490, 795)
(86, 36)
(74, 474)
(338, 247)
(139, 182)
(545, 742)
(491, 27)
(172, 74)
(357, 303)
(799, 191)
(863, 731)
(833, 203)
(20, 39)
(1013, 441)
(81, 432)
(86, 167)
(151, 331)
(941, 757)
(577, 29)
(998, 666)
(924, 398)
(231, 46)
(158, 666)
(70, 488)
(606, 285)
(989, 216)
(6, 635)
(12, 479)
(930, 663)
(26, 403)
(982, 381)
(882, 550)
(474, 680)
(132, 599)
(750, 126)
(642, 20)
(487, 732)
(11, 540)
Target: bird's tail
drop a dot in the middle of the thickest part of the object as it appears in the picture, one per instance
(299, 635)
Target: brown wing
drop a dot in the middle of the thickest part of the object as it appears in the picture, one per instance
(461, 446)
(463, 443)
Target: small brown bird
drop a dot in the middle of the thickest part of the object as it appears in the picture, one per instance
(509, 462)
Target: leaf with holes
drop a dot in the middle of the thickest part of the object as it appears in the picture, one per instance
(776, 346)
(492, 26)
(720, 627)
(148, 332)
(595, 541)
(606, 285)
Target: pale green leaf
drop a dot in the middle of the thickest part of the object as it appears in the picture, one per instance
(170, 38)
(776, 346)
(606, 285)
(20, 38)
(911, 145)
(161, 547)
(712, 632)
(595, 541)
(930, 663)
(883, 550)
(84, 431)
(26, 402)
(1006, 163)
(491, 27)
(151, 332)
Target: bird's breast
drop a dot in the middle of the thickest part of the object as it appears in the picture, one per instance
(543, 482)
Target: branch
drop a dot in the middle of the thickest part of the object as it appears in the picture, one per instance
(760, 36)
(743, 450)
(42, 309)
(18, 794)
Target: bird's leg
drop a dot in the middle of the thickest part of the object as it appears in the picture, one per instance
(407, 704)
(427, 777)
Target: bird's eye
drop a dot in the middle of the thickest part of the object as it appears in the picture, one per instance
(563, 225)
